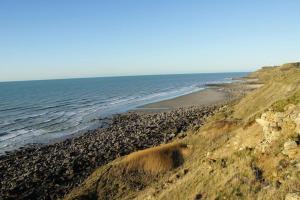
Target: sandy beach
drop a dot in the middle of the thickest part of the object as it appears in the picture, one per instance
(203, 97)
(214, 94)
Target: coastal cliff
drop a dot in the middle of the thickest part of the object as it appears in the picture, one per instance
(247, 149)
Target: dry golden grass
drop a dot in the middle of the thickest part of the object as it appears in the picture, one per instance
(124, 176)
(222, 163)
(279, 83)
(157, 159)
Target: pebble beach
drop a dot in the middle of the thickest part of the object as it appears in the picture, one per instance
(51, 171)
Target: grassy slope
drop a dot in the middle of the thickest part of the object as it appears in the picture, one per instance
(223, 163)
(280, 82)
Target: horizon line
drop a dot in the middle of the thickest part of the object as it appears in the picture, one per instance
(116, 76)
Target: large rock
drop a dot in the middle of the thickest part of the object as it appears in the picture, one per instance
(278, 124)
(271, 124)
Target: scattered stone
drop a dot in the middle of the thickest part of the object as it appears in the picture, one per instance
(51, 171)
(183, 134)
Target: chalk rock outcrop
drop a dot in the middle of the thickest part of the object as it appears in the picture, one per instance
(276, 124)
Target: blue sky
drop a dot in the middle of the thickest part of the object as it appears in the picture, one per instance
(72, 38)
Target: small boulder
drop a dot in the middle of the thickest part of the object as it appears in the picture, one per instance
(290, 148)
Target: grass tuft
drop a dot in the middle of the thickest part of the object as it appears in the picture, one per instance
(157, 159)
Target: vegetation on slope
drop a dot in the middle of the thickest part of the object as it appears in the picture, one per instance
(279, 83)
(249, 150)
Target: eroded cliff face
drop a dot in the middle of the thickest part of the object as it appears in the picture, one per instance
(277, 125)
(281, 134)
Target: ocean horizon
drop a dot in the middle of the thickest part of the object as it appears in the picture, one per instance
(39, 111)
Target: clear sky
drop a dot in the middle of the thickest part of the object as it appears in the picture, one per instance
(71, 38)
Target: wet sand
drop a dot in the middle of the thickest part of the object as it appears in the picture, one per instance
(209, 96)
(214, 94)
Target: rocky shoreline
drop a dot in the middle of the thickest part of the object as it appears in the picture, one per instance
(51, 171)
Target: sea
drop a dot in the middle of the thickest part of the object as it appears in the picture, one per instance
(45, 110)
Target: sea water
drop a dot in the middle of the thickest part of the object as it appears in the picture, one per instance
(40, 111)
